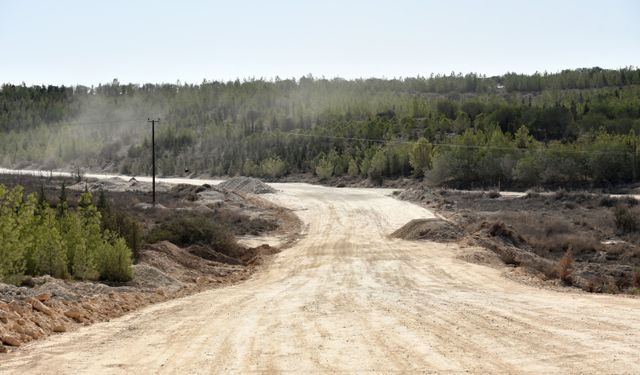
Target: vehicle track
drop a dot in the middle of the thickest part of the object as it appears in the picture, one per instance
(347, 298)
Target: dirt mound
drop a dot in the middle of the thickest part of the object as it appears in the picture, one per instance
(146, 276)
(189, 192)
(184, 266)
(52, 305)
(506, 233)
(247, 185)
(422, 194)
(429, 229)
(212, 255)
(116, 184)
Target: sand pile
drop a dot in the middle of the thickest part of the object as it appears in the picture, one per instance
(429, 229)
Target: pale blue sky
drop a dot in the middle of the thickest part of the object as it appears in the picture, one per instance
(88, 42)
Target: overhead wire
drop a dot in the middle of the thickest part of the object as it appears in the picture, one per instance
(386, 141)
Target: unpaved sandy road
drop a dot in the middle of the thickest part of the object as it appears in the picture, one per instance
(347, 299)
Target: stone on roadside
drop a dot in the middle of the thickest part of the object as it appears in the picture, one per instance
(39, 306)
(10, 340)
(43, 297)
(59, 328)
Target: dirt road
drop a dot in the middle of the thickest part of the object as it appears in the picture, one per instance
(347, 299)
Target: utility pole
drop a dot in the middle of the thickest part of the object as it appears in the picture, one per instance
(153, 156)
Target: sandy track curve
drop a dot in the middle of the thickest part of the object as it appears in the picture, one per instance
(347, 299)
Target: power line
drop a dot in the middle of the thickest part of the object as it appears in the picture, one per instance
(391, 141)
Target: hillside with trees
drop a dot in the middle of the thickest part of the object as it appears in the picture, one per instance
(575, 128)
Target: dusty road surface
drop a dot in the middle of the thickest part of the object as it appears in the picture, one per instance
(346, 299)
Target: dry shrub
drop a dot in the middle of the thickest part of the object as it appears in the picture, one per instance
(531, 194)
(506, 233)
(192, 229)
(565, 267)
(509, 257)
(626, 220)
(578, 243)
(622, 282)
(611, 287)
(635, 278)
(595, 285)
(493, 194)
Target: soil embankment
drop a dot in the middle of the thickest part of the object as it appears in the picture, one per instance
(164, 270)
(596, 235)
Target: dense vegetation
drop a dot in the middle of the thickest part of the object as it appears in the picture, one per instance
(573, 128)
(38, 239)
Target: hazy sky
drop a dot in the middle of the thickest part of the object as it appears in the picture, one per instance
(88, 42)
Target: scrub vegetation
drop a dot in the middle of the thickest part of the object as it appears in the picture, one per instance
(575, 128)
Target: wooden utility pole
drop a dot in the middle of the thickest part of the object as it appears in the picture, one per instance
(153, 156)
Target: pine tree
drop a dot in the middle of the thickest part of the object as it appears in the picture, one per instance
(420, 157)
(63, 205)
(74, 242)
(49, 255)
(115, 259)
(11, 249)
(84, 261)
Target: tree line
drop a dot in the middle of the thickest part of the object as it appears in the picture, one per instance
(365, 128)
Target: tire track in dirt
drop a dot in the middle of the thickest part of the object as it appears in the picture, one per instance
(346, 298)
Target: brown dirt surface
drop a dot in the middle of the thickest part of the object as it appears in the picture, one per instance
(534, 231)
(347, 298)
(163, 270)
(437, 230)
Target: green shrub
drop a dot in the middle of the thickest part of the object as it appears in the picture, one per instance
(273, 167)
(324, 168)
(353, 169)
(12, 214)
(115, 259)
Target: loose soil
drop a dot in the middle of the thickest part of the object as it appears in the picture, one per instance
(347, 298)
(533, 231)
(44, 305)
(429, 229)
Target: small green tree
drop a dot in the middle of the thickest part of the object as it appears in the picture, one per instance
(49, 255)
(273, 167)
(377, 167)
(11, 250)
(115, 259)
(420, 157)
(353, 170)
(250, 168)
(73, 241)
(84, 261)
(324, 168)
(63, 205)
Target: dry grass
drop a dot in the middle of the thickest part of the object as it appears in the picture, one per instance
(627, 220)
(565, 267)
(551, 236)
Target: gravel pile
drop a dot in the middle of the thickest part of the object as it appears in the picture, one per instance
(247, 185)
